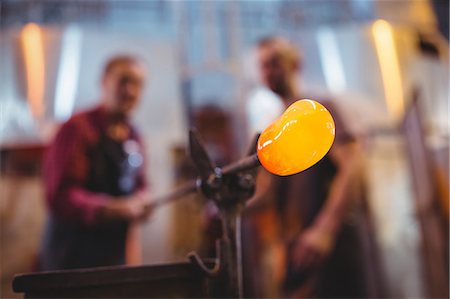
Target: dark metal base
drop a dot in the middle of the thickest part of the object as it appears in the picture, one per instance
(172, 280)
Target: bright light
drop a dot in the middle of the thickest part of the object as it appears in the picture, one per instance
(68, 73)
(331, 60)
(390, 69)
(35, 69)
(263, 107)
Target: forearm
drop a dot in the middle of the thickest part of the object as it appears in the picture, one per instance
(331, 216)
(263, 195)
(337, 203)
(78, 205)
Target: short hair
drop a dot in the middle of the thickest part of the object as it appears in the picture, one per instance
(117, 60)
(283, 46)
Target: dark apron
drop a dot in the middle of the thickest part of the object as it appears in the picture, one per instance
(114, 168)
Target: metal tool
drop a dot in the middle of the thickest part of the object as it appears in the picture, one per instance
(229, 188)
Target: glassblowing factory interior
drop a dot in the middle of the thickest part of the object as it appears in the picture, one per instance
(229, 69)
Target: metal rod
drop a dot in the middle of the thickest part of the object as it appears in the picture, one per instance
(246, 163)
(238, 241)
(182, 190)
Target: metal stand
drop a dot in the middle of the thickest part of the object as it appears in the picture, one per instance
(229, 187)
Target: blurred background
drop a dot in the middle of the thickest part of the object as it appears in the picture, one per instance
(385, 62)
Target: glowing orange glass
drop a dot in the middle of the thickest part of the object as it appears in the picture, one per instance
(297, 140)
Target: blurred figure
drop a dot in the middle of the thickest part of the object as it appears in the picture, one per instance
(94, 179)
(303, 217)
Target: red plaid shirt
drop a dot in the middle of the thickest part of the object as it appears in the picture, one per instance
(66, 169)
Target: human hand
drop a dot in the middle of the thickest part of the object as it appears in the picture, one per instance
(130, 208)
(312, 248)
(147, 206)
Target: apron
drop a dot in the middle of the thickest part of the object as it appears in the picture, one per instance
(114, 168)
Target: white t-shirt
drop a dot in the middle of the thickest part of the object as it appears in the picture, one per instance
(262, 108)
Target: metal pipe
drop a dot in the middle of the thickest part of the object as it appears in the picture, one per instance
(243, 164)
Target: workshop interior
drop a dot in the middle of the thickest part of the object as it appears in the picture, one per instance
(224, 149)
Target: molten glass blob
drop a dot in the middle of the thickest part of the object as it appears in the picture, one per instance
(297, 140)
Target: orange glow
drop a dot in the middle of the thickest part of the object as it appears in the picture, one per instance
(35, 69)
(298, 139)
(390, 68)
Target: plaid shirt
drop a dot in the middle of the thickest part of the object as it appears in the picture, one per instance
(67, 168)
